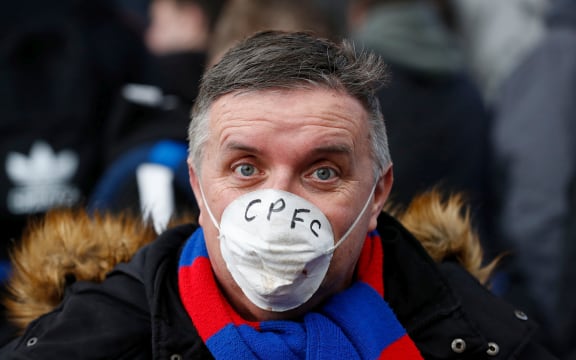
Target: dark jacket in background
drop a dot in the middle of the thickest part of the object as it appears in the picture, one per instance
(157, 108)
(61, 66)
(437, 124)
(148, 127)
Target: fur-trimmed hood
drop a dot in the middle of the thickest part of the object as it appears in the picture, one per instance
(71, 245)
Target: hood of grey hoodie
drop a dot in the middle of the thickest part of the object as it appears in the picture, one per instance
(410, 35)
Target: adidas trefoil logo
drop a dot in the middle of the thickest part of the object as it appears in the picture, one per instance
(42, 179)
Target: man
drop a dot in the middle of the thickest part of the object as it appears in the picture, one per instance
(294, 258)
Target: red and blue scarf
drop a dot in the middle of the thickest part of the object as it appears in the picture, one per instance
(354, 324)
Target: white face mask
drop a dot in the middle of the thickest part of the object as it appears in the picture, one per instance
(277, 246)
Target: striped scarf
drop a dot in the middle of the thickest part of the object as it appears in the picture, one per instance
(354, 324)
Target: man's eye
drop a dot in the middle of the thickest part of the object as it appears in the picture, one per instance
(245, 170)
(324, 173)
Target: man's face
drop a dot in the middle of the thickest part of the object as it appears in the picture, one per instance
(313, 143)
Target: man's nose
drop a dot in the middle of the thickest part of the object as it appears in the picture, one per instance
(284, 179)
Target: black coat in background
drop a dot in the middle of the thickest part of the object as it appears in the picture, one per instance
(61, 66)
(437, 124)
(438, 133)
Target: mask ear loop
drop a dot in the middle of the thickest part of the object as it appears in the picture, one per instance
(212, 218)
(349, 231)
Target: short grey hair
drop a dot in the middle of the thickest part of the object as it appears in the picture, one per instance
(272, 60)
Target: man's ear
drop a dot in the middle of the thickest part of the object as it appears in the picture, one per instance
(195, 185)
(381, 193)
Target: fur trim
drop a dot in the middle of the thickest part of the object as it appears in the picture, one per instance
(70, 245)
(63, 247)
(443, 227)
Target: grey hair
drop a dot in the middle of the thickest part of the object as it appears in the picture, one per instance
(293, 60)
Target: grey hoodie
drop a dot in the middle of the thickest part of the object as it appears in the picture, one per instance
(410, 35)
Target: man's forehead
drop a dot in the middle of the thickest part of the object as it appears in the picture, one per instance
(288, 100)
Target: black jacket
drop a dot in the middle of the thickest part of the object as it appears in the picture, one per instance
(137, 313)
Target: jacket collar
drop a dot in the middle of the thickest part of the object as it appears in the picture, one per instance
(440, 304)
(406, 264)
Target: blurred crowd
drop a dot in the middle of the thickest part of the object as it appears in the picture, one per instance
(95, 99)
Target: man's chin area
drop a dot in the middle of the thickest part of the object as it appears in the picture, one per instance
(251, 312)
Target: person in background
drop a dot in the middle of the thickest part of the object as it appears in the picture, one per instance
(534, 141)
(181, 25)
(292, 256)
(495, 36)
(241, 18)
(177, 37)
(146, 169)
(61, 66)
(439, 127)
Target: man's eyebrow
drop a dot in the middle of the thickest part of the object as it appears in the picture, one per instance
(336, 149)
(238, 146)
(333, 149)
